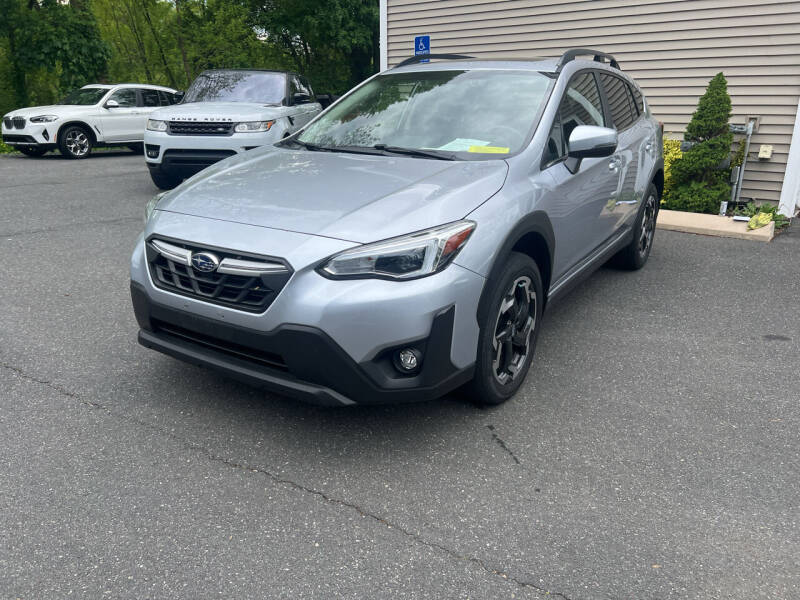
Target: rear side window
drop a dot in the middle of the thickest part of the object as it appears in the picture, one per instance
(580, 105)
(150, 98)
(620, 102)
(638, 100)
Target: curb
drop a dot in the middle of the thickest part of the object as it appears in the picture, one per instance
(675, 220)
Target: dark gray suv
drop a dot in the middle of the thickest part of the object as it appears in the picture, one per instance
(406, 242)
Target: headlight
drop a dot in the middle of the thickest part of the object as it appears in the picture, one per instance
(406, 257)
(156, 125)
(44, 119)
(253, 126)
(151, 206)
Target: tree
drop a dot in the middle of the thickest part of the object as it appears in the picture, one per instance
(698, 181)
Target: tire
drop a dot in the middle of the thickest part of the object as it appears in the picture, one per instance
(75, 142)
(136, 148)
(164, 181)
(513, 313)
(32, 150)
(634, 256)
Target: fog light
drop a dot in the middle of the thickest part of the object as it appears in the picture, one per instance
(152, 150)
(408, 360)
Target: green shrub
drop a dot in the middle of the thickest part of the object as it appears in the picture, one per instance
(698, 184)
(672, 152)
(6, 149)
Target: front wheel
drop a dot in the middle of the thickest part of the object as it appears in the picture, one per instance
(32, 150)
(75, 142)
(509, 329)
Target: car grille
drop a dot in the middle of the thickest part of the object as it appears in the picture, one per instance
(200, 128)
(14, 122)
(242, 292)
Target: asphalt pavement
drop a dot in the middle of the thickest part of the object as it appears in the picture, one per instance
(653, 451)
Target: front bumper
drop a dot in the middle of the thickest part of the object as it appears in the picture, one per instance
(299, 361)
(186, 155)
(32, 135)
(325, 341)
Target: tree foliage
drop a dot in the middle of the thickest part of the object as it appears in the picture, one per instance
(697, 181)
(48, 47)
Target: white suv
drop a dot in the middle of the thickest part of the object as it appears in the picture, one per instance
(225, 112)
(108, 115)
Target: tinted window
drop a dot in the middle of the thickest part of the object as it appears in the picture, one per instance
(150, 98)
(307, 86)
(166, 98)
(639, 101)
(580, 105)
(298, 86)
(125, 97)
(84, 96)
(619, 101)
(237, 86)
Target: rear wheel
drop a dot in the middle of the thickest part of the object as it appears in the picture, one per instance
(509, 329)
(75, 142)
(635, 254)
(32, 150)
(164, 181)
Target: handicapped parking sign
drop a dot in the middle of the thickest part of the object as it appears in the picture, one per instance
(422, 45)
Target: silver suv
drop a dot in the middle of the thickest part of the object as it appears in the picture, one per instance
(406, 242)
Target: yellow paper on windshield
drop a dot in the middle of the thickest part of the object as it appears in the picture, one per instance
(489, 149)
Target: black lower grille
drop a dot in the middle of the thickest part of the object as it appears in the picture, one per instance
(199, 128)
(198, 159)
(247, 293)
(19, 139)
(260, 357)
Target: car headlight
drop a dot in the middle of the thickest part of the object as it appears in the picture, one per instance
(44, 119)
(406, 257)
(253, 126)
(151, 206)
(156, 125)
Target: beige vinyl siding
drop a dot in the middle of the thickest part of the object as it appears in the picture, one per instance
(671, 48)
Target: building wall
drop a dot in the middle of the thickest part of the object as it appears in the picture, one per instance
(672, 48)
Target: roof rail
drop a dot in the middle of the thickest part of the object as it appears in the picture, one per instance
(573, 53)
(420, 57)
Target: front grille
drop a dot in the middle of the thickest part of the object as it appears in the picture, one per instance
(199, 128)
(19, 122)
(248, 293)
(260, 357)
(8, 122)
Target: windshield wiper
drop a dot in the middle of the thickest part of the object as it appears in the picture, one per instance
(438, 154)
(307, 145)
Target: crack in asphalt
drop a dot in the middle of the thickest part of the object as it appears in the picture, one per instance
(500, 442)
(277, 479)
(67, 226)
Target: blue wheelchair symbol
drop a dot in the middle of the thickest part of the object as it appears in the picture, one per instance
(422, 45)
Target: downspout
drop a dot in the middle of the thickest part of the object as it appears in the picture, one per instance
(790, 191)
(384, 27)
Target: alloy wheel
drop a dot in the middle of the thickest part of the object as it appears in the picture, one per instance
(77, 142)
(515, 323)
(648, 227)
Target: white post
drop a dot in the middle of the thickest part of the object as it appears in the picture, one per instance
(790, 191)
(383, 15)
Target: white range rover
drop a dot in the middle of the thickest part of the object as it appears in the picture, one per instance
(97, 114)
(225, 112)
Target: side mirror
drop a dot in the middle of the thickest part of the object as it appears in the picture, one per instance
(301, 98)
(589, 141)
(178, 96)
(112, 104)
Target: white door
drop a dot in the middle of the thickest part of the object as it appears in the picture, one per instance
(123, 122)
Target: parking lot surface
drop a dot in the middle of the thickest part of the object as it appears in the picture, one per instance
(652, 452)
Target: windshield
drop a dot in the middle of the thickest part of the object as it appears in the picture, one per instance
(478, 112)
(237, 86)
(84, 96)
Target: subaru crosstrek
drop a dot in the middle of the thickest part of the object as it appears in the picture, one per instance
(225, 111)
(406, 242)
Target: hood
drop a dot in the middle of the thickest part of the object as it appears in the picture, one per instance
(53, 109)
(219, 111)
(355, 197)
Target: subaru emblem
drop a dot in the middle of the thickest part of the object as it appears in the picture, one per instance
(205, 261)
